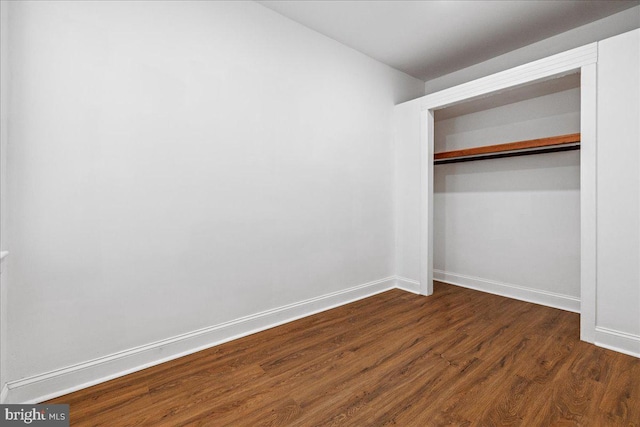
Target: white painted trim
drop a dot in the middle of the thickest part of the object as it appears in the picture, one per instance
(3, 255)
(621, 342)
(426, 202)
(588, 202)
(3, 394)
(408, 285)
(551, 66)
(543, 69)
(523, 293)
(56, 383)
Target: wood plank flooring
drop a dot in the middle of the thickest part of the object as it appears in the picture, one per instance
(459, 357)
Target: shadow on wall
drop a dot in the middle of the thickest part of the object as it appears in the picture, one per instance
(537, 172)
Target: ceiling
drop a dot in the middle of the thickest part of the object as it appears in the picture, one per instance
(428, 39)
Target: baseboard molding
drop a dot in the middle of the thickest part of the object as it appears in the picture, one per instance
(56, 383)
(550, 299)
(621, 342)
(408, 285)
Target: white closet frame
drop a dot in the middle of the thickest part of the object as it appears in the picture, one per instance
(582, 59)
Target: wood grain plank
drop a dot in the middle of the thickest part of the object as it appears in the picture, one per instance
(510, 146)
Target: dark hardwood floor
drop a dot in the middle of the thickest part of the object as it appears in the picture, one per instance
(459, 357)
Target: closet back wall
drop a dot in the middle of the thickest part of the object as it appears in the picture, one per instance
(511, 225)
(177, 165)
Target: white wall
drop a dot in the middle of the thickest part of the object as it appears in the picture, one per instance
(4, 134)
(407, 147)
(618, 205)
(177, 165)
(514, 221)
(604, 28)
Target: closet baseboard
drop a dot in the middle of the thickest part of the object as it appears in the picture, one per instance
(536, 296)
(408, 285)
(621, 342)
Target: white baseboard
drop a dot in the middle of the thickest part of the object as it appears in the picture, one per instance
(56, 383)
(621, 342)
(564, 302)
(408, 285)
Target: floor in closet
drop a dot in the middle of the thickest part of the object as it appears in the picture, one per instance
(459, 357)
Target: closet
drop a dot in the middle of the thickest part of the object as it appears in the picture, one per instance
(512, 220)
(506, 193)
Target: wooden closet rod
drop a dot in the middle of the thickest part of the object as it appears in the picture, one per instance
(520, 148)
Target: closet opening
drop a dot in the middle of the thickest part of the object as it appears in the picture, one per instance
(507, 193)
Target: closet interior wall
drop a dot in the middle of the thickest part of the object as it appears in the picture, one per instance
(511, 225)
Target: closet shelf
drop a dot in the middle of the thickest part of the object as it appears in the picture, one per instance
(520, 148)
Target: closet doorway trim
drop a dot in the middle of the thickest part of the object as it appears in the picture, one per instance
(583, 60)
